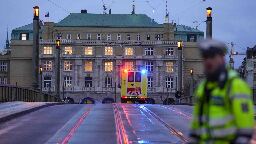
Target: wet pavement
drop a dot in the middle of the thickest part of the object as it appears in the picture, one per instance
(107, 124)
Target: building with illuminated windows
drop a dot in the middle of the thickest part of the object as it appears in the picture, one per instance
(95, 48)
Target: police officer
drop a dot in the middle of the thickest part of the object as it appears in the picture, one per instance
(223, 112)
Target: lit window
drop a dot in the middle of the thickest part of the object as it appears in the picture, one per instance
(169, 67)
(68, 51)
(129, 65)
(138, 37)
(88, 81)
(108, 66)
(47, 82)
(158, 37)
(148, 37)
(149, 51)
(89, 36)
(67, 66)
(119, 37)
(108, 51)
(128, 51)
(47, 50)
(3, 66)
(150, 81)
(88, 50)
(169, 51)
(109, 37)
(169, 82)
(78, 36)
(47, 65)
(24, 36)
(67, 81)
(149, 66)
(98, 36)
(88, 66)
(69, 36)
(128, 37)
(108, 82)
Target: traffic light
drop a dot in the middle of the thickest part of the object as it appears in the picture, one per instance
(57, 42)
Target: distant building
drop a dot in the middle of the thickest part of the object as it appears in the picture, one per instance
(96, 47)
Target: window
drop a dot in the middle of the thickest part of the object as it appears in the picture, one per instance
(88, 81)
(98, 36)
(129, 51)
(169, 51)
(150, 81)
(137, 77)
(108, 66)
(88, 51)
(3, 80)
(108, 82)
(88, 66)
(148, 37)
(149, 51)
(169, 67)
(89, 36)
(47, 66)
(119, 37)
(67, 66)
(24, 36)
(47, 50)
(130, 76)
(149, 66)
(158, 37)
(128, 37)
(169, 82)
(67, 81)
(138, 37)
(191, 38)
(108, 51)
(109, 37)
(129, 65)
(47, 82)
(69, 36)
(78, 36)
(68, 51)
(3, 66)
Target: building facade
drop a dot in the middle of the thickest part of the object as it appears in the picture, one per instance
(95, 48)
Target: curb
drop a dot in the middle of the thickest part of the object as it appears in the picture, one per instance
(22, 113)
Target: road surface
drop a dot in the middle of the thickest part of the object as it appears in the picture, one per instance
(108, 124)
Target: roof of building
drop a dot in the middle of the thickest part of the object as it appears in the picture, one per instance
(28, 27)
(107, 20)
(183, 28)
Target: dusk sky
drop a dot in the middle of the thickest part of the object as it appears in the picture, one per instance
(233, 20)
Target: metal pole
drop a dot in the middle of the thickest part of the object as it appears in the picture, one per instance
(115, 91)
(63, 91)
(209, 23)
(180, 66)
(41, 81)
(35, 56)
(58, 73)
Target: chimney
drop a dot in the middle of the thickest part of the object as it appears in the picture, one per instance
(133, 7)
(84, 11)
(110, 11)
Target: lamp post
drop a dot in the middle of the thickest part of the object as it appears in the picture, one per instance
(180, 47)
(209, 23)
(41, 79)
(57, 42)
(192, 84)
(35, 55)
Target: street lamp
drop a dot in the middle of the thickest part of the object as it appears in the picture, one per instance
(191, 72)
(36, 12)
(192, 84)
(41, 78)
(57, 44)
(180, 47)
(209, 22)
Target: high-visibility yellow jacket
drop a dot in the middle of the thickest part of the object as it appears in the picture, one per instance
(222, 113)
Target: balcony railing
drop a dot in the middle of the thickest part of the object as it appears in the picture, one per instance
(106, 42)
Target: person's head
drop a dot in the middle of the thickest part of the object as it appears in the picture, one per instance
(213, 53)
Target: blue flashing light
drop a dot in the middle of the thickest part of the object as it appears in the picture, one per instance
(143, 71)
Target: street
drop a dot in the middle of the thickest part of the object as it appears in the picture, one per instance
(110, 123)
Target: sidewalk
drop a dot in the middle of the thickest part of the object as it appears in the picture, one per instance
(10, 110)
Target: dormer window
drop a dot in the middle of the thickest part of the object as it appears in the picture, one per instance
(24, 36)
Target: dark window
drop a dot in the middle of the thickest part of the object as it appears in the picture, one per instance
(108, 82)
(130, 76)
(88, 82)
(128, 37)
(191, 38)
(148, 37)
(47, 82)
(137, 77)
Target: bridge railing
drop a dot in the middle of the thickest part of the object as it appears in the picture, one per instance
(14, 93)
